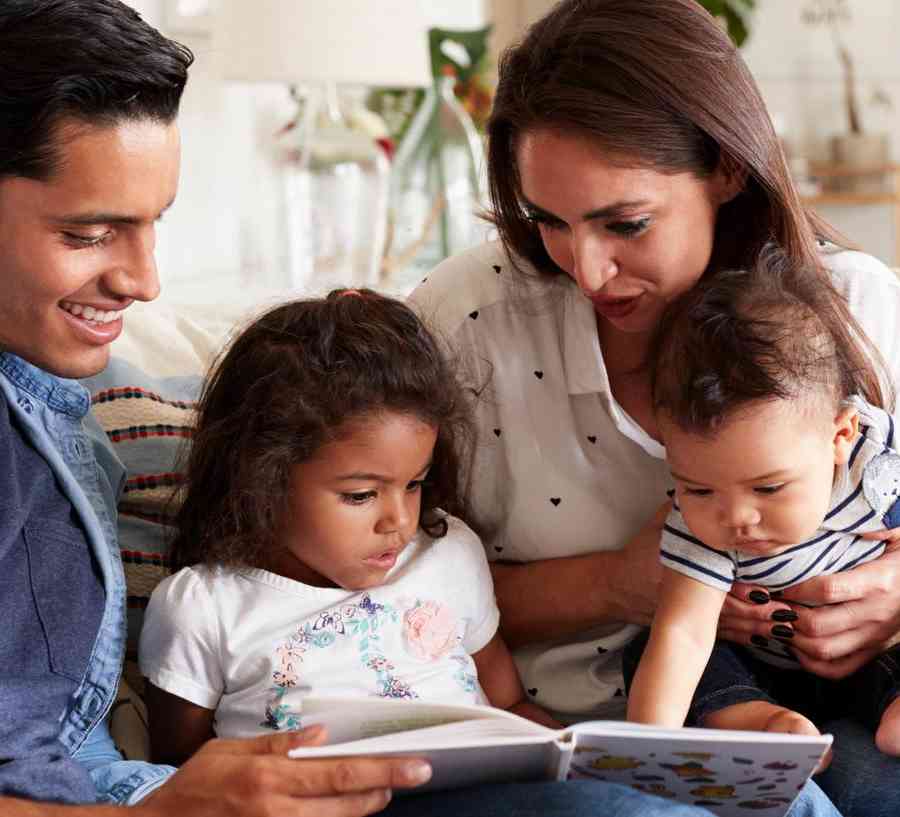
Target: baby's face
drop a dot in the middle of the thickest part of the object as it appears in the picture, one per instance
(762, 482)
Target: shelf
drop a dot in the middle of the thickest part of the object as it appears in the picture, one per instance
(851, 198)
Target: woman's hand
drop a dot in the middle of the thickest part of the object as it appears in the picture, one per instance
(858, 618)
(256, 778)
(635, 583)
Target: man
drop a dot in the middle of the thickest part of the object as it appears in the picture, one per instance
(89, 160)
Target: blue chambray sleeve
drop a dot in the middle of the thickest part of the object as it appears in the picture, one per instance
(118, 781)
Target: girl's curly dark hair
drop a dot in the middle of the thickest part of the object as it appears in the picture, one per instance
(290, 383)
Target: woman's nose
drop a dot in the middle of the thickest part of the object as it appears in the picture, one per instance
(593, 265)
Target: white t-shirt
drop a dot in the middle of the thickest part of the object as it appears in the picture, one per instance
(251, 644)
(561, 470)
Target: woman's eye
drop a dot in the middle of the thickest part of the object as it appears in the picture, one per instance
(629, 229)
(544, 221)
(87, 240)
(769, 489)
(359, 498)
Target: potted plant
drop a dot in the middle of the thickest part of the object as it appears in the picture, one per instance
(734, 15)
(857, 149)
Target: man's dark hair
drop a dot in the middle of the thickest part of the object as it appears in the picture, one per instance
(94, 62)
(770, 332)
(305, 374)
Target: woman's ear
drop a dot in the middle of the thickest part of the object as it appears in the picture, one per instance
(731, 176)
(846, 426)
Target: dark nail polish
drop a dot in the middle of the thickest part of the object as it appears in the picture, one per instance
(776, 594)
(759, 641)
(758, 597)
(784, 615)
(782, 631)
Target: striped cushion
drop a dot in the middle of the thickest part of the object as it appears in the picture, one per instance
(147, 420)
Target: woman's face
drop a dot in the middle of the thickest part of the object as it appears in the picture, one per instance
(632, 238)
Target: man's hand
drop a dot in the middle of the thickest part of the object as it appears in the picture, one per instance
(858, 615)
(256, 778)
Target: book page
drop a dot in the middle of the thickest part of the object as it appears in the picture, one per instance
(729, 773)
(353, 719)
(465, 753)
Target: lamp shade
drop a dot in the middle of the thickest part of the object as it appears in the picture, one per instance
(360, 42)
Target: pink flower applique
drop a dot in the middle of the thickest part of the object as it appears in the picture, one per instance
(430, 630)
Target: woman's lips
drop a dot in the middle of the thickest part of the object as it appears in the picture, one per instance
(615, 307)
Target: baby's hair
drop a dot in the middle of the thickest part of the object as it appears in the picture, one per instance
(766, 333)
(295, 379)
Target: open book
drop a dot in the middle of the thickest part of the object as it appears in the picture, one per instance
(729, 773)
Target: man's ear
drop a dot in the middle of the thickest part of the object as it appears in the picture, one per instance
(732, 177)
(846, 426)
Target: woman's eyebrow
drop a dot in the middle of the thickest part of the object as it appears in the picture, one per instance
(617, 208)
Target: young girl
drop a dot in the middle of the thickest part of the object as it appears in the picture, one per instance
(317, 548)
(782, 459)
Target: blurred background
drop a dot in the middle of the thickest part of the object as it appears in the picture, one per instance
(255, 147)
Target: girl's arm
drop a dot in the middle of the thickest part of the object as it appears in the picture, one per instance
(499, 679)
(681, 640)
(554, 598)
(178, 728)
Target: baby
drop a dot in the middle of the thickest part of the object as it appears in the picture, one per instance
(782, 456)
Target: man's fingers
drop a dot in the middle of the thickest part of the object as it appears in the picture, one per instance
(314, 777)
(345, 805)
(274, 744)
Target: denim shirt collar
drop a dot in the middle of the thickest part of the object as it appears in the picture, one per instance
(57, 393)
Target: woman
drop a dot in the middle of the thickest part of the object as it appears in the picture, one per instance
(630, 153)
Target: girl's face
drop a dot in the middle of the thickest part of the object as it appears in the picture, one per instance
(354, 506)
(632, 238)
(763, 481)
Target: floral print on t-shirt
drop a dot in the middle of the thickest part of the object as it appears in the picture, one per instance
(430, 630)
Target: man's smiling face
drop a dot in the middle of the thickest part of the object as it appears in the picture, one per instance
(76, 249)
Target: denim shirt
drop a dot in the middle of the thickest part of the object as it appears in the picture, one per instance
(53, 413)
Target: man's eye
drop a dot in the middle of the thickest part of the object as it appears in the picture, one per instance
(87, 240)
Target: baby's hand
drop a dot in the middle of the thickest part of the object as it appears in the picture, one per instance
(764, 716)
(793, 723)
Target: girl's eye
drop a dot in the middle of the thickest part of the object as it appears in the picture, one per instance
(769, 489)
(359, 498)
(629, 229)
(416, 485)
(87, 240)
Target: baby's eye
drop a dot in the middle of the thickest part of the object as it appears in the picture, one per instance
(358, 498)
(769, 489)
(629, 229)
(698, 491)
